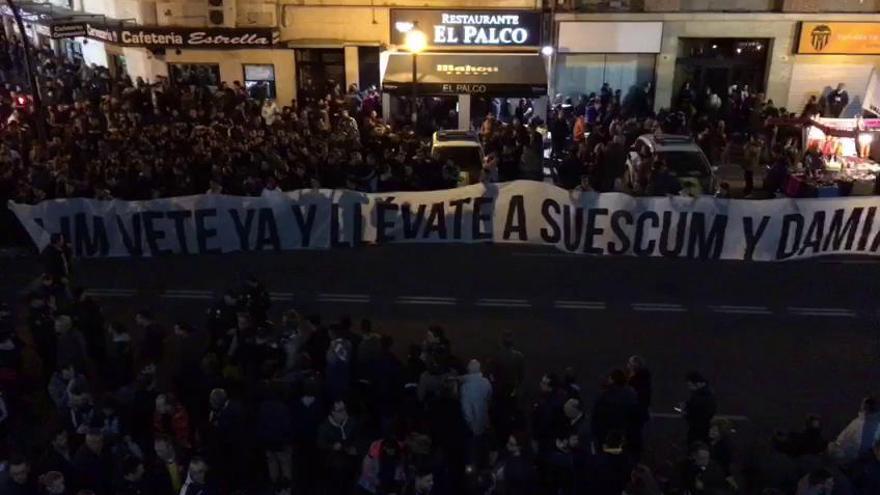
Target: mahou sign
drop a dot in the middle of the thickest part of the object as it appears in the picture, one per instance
(469, 28)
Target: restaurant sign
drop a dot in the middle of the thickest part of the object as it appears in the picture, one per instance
(468, 28)
(197, 37)
(839, 38)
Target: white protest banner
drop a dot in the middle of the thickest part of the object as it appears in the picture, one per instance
(522, 212)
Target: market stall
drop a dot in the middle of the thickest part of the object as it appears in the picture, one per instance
(837, 160)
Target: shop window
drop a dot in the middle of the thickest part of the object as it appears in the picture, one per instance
(720, 63)
(259, 80)
(319, 72)
(194, 74)
(74, 50)
(582, 74)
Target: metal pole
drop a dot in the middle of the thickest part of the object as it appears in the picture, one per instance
(32, 79)
(415, 89)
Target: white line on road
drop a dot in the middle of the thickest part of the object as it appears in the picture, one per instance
(110, 292)
(660, 307)
(579, 304)
(187, 296)
(846, 313)
(503, 303)
(729, 417)
(742, 310)
(346, 298)
(349, 296)
(426, 300)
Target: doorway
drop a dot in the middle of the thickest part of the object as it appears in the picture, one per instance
(720, 63)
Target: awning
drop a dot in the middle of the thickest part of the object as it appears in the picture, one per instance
(511, 75)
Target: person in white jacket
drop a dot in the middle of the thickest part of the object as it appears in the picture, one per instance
(476, 392)
(859, 436)
(269, 112)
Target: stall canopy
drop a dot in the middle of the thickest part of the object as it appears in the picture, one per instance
(510, 75)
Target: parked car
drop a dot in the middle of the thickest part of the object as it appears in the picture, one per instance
(686, 161)
(461, 147)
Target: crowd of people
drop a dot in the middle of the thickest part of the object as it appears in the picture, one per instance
(109, 136)
(257, 399)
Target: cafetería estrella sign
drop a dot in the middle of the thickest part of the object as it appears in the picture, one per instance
(197, 37)
(148, 36)
(469, 28)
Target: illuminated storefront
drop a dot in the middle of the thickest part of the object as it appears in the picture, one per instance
(474, 62)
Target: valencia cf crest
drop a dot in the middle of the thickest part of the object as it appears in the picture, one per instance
(820, 36)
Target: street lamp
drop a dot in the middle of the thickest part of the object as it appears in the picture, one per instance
(415, 42)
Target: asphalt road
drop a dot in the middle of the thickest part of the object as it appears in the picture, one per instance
(777, 341)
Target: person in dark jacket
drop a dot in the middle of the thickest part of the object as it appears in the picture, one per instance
(42, 330)
(515, 472)
(721, 445)
(133, 481)
(150, 345)
(867, 479)
(58, 456)
(92, 465)
(88, 319)
(836, 101)
(662, 181)
(639, 379)
(226, 433)
(306, 413)
(197, 481)
(699, 409)
(336, 442)
(616, 408)
(56, 259)
(17, 479)
(699, 474)
(71, 345)
(166, 471)
(608, 471)
(274, 430)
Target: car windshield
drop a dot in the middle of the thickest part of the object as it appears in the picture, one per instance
(463, 156)
(685, 163)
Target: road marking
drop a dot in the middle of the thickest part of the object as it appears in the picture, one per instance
(843, 312)
(110, 292)
(426, 300)
(661, 307)
(503, 303)
(563, 304)
(351, 298)
(742, 310)
(172, 295)
(729, 417)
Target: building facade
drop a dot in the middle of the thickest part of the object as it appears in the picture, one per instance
(301, 48)
(765, 44)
